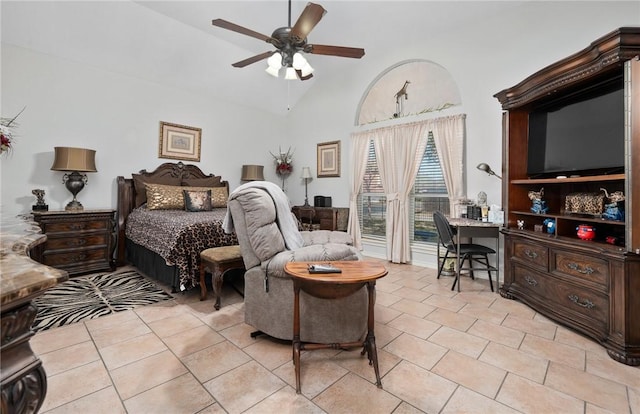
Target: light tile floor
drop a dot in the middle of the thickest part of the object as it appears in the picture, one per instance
(439, 352)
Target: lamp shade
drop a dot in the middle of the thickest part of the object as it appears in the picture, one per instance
(74, 159)
(306, 173)
(252, 173)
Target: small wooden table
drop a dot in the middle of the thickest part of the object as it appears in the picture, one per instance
(355, 274)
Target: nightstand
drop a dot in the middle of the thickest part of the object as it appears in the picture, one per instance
(77, 241)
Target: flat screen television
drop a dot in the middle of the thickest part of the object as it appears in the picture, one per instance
(580, 134)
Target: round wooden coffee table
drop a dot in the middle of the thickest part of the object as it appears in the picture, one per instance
(354, 275)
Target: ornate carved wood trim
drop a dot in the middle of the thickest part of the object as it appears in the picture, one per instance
(601, 56)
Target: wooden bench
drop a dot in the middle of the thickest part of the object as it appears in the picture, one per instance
(218, 260)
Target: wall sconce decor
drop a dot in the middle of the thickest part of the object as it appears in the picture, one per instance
(306, 176)
(75, 161)
(485, 167)
(252, 173)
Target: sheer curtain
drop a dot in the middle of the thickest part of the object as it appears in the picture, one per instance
(399, 151)
(359, 154)
(448, 134)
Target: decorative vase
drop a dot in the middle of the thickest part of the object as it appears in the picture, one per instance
(586, 232)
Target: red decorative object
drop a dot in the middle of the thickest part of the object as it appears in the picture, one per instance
(586, 232)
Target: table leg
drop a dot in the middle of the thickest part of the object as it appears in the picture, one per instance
(370, 341)
(203, 286)
(296, 334)
(458, 275)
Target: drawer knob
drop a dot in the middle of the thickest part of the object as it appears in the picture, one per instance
(530, 254)
(576, 267)
(77, 242)
(585, 303)
(531, 281)
(77, 226)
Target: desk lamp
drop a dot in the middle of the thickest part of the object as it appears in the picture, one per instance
(485, 167)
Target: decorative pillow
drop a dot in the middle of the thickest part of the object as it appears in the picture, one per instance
(139, 182)
(165, 197)
(219, 195)
(197, 200)
(214, 181)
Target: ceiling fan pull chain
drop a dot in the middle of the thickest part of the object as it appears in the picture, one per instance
(288, 90)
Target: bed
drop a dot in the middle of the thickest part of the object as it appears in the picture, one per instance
(155, 232)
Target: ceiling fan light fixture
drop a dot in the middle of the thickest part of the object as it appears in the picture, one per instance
(272, 71)
(306, 70)
(275, 61)
(299, 61)
(291, 74)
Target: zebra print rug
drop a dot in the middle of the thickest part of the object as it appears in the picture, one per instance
(92, 296)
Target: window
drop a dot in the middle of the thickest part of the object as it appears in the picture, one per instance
(429, 194)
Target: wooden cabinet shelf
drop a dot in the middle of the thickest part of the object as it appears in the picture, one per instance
(581, 179)
(590, 286)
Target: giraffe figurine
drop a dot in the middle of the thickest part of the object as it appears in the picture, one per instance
(402, 92)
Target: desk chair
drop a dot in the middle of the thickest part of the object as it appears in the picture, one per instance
(470, 252)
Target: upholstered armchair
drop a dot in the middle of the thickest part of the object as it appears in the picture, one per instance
(260, 214)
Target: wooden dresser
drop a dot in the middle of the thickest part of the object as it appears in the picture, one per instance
(78, 242)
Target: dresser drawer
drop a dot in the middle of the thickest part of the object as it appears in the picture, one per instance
(75, 226)
(532, 254)
(73, 258)
(59, 243)
(571, 299)
(580, 266)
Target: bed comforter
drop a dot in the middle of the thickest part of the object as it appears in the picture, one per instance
(179, 237)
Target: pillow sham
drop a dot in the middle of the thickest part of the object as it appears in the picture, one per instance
(214, 181)
(219, 195)
(197, 200)
(140, 181)
(165, 197)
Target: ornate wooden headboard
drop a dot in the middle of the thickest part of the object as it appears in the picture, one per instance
(127, 194)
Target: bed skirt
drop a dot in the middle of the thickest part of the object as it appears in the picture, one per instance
(152, 265)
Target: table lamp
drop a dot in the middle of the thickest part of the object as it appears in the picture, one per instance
(75, 161)
(306, 176)
(252, 173)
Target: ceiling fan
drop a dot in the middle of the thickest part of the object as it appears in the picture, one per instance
(290, 42)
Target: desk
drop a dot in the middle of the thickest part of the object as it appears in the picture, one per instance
(355, 274)
(467, 228)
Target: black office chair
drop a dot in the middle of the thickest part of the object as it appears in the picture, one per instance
(469, 252)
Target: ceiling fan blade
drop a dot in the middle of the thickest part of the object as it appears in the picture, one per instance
(309, 18)
(350, 52)
(303, 78)
(252, 59)
(239, 29)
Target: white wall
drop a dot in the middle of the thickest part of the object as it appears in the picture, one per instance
(69, 104)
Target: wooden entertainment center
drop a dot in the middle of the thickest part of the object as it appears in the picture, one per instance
(590, 286)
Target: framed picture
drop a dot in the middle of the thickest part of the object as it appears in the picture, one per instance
(179, 142)
(329, 159)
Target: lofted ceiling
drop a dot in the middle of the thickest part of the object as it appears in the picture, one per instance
(174, 43)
